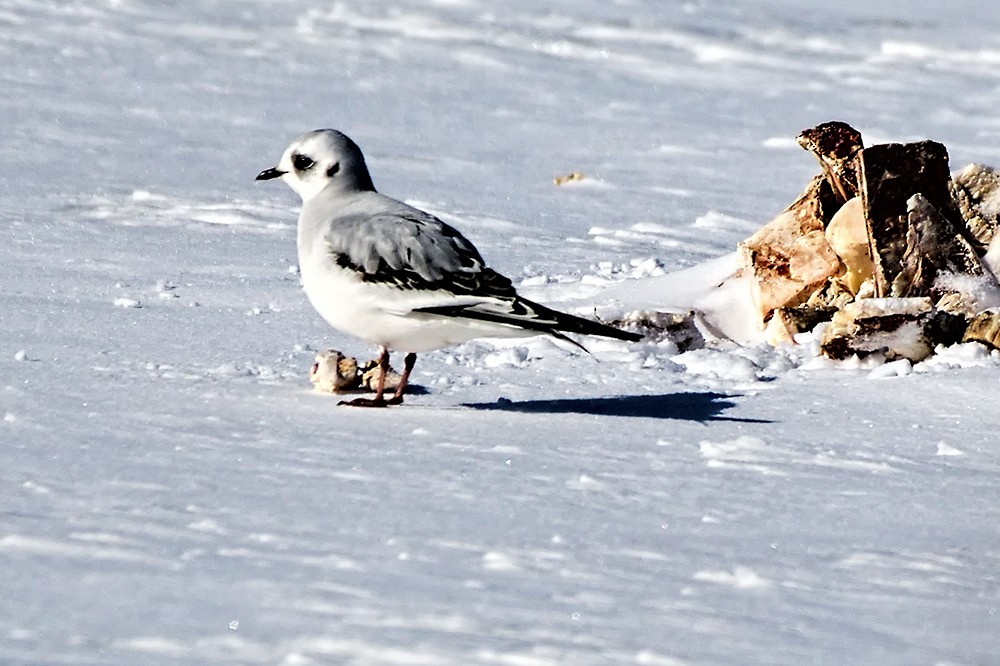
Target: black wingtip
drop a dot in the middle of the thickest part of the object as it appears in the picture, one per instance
(566, 338)
(627, 336)
(583, 326)
(605, 331)
(544, 320)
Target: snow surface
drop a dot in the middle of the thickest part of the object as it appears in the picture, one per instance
(174, 493)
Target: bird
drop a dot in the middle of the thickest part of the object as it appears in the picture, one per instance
(395, 276)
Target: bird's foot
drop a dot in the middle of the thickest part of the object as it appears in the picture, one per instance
(369, 402)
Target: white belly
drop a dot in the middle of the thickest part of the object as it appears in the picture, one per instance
(382, 314)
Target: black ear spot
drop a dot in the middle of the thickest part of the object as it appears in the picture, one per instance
(334, 168)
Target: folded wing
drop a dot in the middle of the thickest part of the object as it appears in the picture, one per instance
(412, 250)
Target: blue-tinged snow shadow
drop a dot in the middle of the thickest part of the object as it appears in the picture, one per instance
(703, 406)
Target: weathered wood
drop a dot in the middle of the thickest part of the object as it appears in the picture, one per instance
(836, 145)
(890, 174)
(786, 323)
(970, 187)
(933, 247)
(897, 327)
(789, 257)
(847, 234)
(984, 328)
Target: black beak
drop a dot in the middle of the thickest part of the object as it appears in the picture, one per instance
(268, 174)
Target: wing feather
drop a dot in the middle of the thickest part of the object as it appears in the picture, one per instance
(414, 251)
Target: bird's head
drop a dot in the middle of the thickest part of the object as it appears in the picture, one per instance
(321, 159)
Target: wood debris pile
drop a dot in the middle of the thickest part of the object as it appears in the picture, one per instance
(886, 245)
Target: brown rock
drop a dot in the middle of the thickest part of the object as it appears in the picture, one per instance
(369, 377)
(833, 294)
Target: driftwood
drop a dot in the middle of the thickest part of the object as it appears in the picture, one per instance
(847, 234)
(891, 174)
(836, 146)
(895, 327)
(970, 187)
(985, 328)
(932, 247)
(790, 257)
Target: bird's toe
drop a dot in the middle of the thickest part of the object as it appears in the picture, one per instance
(367, 402)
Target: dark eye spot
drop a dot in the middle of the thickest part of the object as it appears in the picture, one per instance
(332, 171)
(302, 162)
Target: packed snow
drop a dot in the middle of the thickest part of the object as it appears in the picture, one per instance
(173, 491)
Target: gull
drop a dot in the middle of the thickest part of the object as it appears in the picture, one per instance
(394, 276)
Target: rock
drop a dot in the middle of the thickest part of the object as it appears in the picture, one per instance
(907, 328)
(895, 254)
(976, 191)
(332, 372)
(789, 258)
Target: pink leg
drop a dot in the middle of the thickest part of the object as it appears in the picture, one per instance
(408, 364)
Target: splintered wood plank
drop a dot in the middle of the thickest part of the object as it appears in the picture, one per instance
(891, 173)
(789, 257)
(836, 146)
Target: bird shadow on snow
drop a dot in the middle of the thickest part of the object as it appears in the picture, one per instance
(702, 406)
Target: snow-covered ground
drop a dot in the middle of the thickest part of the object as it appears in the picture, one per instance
(172, 491)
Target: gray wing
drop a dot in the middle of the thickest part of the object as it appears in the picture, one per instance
(414, 250)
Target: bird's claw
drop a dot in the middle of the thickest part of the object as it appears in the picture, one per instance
(372, 402)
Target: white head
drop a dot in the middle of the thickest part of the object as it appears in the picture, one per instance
(322, 159)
